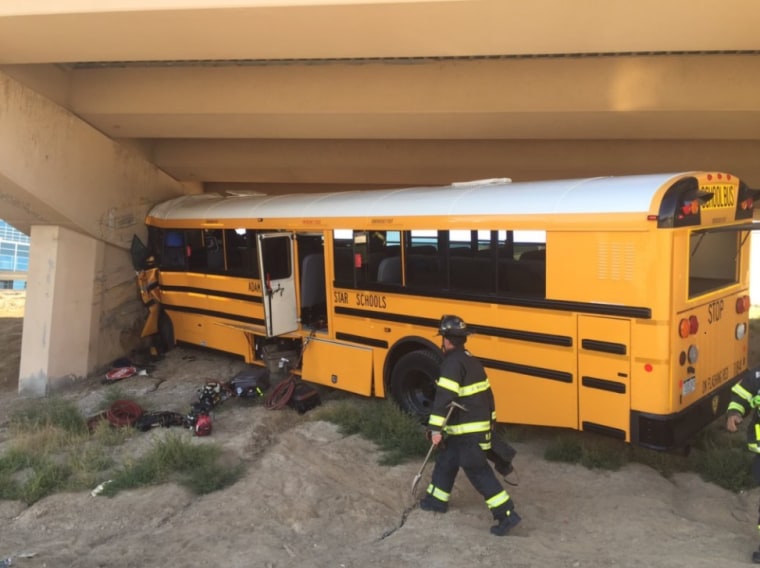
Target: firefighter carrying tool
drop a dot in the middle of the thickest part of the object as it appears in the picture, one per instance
(416, 480)
(463, 378)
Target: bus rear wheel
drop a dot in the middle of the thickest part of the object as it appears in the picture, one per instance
(413, 382)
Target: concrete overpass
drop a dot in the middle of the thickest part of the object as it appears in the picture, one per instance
(106, 109)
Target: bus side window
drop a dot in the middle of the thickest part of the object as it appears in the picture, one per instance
(525, 275)
(241, 255)
(424, 264)
(343, 257)
(383, 251)
(196, 251)
(173, 256)
(214, 243)
(471, 262)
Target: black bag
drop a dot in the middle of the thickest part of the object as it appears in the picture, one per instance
(501, 455)
(159, 419)
(250, 383)
(304, 398)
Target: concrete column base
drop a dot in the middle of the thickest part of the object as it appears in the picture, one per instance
(59, 339)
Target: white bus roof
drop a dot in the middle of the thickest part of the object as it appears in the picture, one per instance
(621, 194)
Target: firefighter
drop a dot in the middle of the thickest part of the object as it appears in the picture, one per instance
(745, 398)
(468, 432)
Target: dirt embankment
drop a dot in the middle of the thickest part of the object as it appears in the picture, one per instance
(314, 498)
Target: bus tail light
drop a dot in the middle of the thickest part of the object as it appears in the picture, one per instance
(742, 304)
(693, 325)
(687, 327)
(683, 328)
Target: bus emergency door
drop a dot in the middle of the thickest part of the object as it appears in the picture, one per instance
(278, 287)
(604, 369)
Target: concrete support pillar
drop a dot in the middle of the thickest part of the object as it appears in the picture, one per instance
(61, 323)
(81, 196)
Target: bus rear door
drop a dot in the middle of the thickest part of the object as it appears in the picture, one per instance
(277, 282)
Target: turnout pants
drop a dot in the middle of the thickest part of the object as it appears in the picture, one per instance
(464, 451)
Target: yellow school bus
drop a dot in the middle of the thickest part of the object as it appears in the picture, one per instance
(616, 305)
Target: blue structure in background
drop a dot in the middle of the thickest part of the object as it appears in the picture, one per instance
(14, 257)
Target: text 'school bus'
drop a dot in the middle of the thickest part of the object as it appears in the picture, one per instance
(617, 305)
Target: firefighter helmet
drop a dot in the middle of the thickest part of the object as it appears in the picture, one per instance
(453, 326)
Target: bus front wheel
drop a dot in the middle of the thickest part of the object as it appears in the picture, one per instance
(166, 332)
(413, 382)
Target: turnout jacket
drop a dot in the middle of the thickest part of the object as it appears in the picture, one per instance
(463, 379)
(745, 398)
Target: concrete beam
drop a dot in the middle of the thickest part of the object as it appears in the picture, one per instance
(663, 97)
(129, 30)
(392, 163)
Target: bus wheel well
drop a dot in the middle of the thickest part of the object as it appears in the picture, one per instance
(411, 373)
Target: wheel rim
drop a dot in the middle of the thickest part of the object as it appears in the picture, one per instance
(419, 392)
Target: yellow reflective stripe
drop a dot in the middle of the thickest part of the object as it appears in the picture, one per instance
(439, 494)
(475, 388)
(469, 428)
(448, 384)
(497, 500)
(755, 446)
(493, 416)
(436, 420)
(741, 392)
(736, 406)
(485, 446)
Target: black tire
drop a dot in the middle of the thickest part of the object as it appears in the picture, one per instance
(413, 382)
(166, 332)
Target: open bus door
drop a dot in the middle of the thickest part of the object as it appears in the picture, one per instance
(277, 282)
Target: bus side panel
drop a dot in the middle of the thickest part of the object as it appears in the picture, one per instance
(347, 367)
(523, 399)
(211, 282)
(606, 267)
(604, 380)
(652, 343)
(208, 332)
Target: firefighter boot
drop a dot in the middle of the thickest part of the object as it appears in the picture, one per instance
(506, 523)
(430, 503)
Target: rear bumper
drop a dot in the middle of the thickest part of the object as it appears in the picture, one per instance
(667, 432)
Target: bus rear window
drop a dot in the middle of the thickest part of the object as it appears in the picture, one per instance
(713, 261)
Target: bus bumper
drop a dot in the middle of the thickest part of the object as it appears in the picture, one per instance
(672, 431)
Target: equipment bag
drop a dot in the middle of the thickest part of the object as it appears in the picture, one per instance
(159, 419)
(501, 455)
(304, 397)
(250, 383)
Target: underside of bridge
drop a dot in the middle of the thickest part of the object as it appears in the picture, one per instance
(106, 109)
